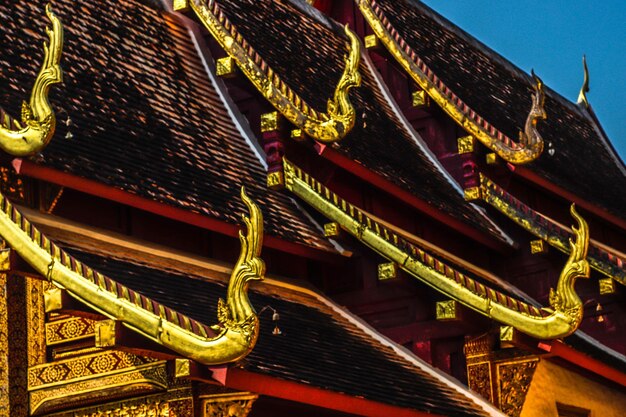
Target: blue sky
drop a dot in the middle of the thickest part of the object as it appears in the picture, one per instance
(551, 37)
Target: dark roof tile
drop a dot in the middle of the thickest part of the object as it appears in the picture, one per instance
(145, 116)
(318, 346)
(307, 52)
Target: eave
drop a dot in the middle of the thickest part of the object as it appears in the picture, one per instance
(146, 317)
(529, 175)
(602, 258)
(440, 93)
(288, 390)
(539, 323)
(410, 199)
(327, 127)
(559, 349)
(40, 172)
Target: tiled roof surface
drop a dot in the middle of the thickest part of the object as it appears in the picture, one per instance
(144, 115)
(318, 346)
(582, 162)
(307, 53)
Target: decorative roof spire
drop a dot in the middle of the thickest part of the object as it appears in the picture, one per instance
(38, 123)
(582, 96)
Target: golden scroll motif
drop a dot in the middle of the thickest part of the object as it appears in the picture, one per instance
(38, 122)
(325, 127)
(530, 145)
(239, 324)
(543, 324)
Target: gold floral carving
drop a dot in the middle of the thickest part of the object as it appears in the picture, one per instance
(69, 330)
(18, 345)
(479, 379)
(513, 384)
(176, 403)
(228, 405)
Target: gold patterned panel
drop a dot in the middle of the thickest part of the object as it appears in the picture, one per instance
(514, 380)
(4, 348)
(36, 321)
(227, 405)
(447, 310)
(69, 330)
(387, 271)
(174, 403)
(84, 366)
(107, 373)
(479, 379)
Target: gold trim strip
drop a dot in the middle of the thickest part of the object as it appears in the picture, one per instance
(38, 123)
(238, 329)
(327, 127)
(530, 145)
(547, 230)
(544, 324)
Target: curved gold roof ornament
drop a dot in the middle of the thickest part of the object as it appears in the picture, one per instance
(565, 299)
(582, 96)
(327, 127)
(560, 321)
(38, 122)
(239, 325)
(526, 150)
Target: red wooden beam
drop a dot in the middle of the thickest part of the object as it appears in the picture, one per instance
(274, 387)
(95, 188)
(577, 358)
(408, 198)
(529, 175)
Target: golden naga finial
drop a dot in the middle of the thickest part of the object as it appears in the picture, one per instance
(527, 150)
(327, 127)
(564, 299)
(530, 139)
(237, 315)
(560, 321)
(582, 96)
(239, 325)
(38, 123)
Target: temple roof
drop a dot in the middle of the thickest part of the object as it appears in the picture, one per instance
(306, 50)
(501, 93)
(138, 112)
(318, 346)
(321, 344)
